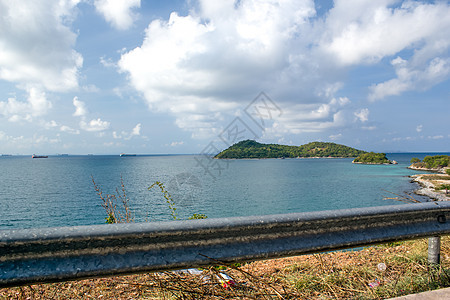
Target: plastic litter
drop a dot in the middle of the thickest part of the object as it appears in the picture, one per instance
(225, 280)
(374, 284)
(194, 271)
(381, 266)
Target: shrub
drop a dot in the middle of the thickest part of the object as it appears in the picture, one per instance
(415, 160)
(437, 161)
(445, 187)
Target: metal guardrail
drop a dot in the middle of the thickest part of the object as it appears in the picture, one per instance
(57, 254)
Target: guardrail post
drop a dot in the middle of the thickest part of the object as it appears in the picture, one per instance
(434, 250)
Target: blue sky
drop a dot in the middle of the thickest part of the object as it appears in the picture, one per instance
(156, 77)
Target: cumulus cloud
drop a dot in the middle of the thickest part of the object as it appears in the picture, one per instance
(362, 114)
(366, 31)
(204, 66)
(80, 107)
(49, 124)
(107, 62)
(419, 128)
(136, 131)
(36, 105)
(68, 129)
(178, 70)
(37, 45)
(119, 13)
(410, 77)
(94, 125)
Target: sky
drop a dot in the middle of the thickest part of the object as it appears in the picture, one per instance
(167, 77)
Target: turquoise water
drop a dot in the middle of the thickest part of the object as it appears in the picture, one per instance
(58, 191)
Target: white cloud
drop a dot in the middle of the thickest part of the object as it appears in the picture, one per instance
(335, 136)
(41, 139)
(419, 128)
(410, 77)
(4, 136)
(37, 45)
(80, 108)
(177, 70)
(366, 31)
(68, 129)
(204, 66)
(49, 124)
(436, 137)
(36, 105)
(94, 125)
(14, 142)
(107, 62)
(362, 114)
(173, 144)
(119, 13)
(136, 131)
(29, 143)
(90, 88)
(81, 111)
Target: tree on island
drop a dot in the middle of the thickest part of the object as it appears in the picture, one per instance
(431, 162)
(415, 160)
(372, 158)
(437, 161)
(253, 149)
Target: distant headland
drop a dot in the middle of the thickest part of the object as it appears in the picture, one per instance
(252, 149)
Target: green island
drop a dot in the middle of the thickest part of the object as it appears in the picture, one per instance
(373, 158)
(252, 149)
(437, 163)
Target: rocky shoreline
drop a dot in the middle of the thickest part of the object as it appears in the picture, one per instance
(371, 163)
(428, 182)
(437, 170)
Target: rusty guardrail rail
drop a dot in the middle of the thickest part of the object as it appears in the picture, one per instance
(66, 253)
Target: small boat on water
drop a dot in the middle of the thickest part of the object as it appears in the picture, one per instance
(124, 154)
(39, 156)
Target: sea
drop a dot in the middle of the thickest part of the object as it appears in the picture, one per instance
(59, 190)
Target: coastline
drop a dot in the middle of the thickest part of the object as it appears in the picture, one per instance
(428, 183)
(371, 163)
(436, 170)
(298, 157)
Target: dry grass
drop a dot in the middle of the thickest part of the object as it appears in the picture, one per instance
(335, 275)
(435, 177)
